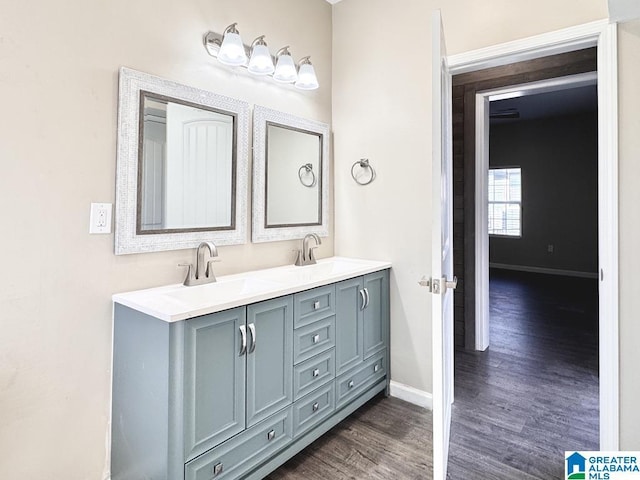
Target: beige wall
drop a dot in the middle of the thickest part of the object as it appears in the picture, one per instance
(382, 110)
(58, 79)
(58, 90)
(629, 175)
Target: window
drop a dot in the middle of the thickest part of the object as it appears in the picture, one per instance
(505, 209)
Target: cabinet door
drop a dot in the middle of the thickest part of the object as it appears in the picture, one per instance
(349, 324)
(376, 313)
(214, 380)
(269, 357)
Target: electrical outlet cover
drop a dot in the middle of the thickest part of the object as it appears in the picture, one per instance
(100, 218)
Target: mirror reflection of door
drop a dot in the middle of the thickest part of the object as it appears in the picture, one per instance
(187, 168)
(294, 183)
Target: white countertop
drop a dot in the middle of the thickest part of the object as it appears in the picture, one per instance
(173, 303)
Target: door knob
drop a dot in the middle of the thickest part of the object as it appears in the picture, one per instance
(452, 284)
(438, 286)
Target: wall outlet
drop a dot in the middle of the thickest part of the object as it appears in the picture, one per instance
(100, 218)
(550, 248)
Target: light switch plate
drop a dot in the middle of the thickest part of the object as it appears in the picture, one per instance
(100, 218)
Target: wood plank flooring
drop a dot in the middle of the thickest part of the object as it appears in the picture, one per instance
(386, 439)
(518, 406)
(534, 393)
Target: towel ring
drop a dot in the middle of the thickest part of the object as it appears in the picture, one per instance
(364, 164)
(308, 169)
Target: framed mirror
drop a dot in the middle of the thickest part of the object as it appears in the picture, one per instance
(290, 176)
(181, 168)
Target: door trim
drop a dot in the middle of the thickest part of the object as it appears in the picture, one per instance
(603, 35)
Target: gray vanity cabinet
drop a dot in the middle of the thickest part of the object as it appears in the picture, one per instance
(214, 380)
(233, 394)
(375, 321)
(350, 301)
(217, 382)
(362, 319)
(269, 358)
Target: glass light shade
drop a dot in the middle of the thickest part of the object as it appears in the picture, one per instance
(261, 62)
(285, 70)
(307, 79)
(232, 50)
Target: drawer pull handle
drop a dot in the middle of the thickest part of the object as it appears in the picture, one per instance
(217, 469)
(350, 384)
(315, 338)
(316, 305)
(376, 368)
(316, 372)
(315, 407)
(271, 435)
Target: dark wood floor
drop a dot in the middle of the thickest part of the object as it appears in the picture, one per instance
(386, 439)
(534, 393)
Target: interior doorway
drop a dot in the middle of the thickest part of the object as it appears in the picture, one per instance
(603, 35)
(535, 388)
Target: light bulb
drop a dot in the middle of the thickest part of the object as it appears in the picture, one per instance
(261, 62)
(285, 68)
(307, 79)
(232, 49)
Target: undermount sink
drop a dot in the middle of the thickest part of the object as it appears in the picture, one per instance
(220, 291)
(310, 273)
(173, 303)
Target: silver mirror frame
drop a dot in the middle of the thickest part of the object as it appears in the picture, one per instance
(126, 240)
(259, 233)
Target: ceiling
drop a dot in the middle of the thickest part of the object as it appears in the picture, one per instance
(550, 104)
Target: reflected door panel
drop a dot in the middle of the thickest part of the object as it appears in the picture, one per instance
(199, 168)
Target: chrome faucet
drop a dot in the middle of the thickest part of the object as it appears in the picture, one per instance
(204, 271)
(305, 255)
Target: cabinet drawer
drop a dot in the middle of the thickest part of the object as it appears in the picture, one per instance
(313, 305)
(312, 409)
(241, 453)
(313, 339)
(313, 373)
(354, 382)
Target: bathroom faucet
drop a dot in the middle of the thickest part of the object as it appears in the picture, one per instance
(305, 255)
(204, 272)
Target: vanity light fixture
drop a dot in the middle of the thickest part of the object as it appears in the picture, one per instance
(232, 51)
(260, 62)
(229, 50)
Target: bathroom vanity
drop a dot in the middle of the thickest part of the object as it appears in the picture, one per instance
(229, 380)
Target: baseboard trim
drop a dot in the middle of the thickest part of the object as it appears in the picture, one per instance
(412, 395)
(548, 271)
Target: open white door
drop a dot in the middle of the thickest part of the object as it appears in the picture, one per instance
(442, 282)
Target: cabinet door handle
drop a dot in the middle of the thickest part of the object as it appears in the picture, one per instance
(364, 300)
(252, 329)
(366, 294)
(243, 341)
